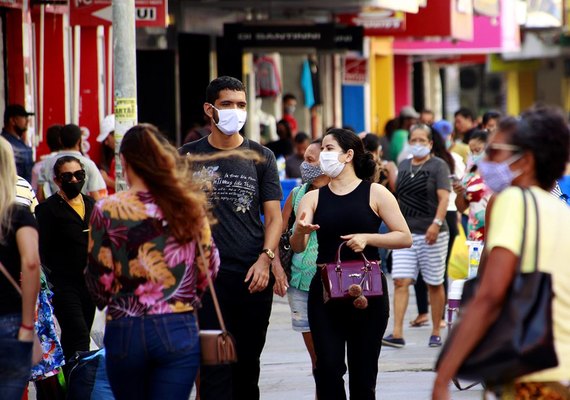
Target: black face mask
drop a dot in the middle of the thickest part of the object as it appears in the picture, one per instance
(72, 189)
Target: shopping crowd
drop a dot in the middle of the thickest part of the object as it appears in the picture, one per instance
(368, 207)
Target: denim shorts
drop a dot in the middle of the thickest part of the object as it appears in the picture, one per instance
(298, 300)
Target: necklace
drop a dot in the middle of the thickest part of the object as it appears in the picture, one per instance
(412, 173)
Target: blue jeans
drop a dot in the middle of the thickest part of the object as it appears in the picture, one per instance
(152, 357)
(15, 358)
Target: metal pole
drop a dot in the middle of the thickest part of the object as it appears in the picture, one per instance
(125, 78)
(76, 73)
(41, 63)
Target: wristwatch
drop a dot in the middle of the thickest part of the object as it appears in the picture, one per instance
(269, 253)
(438, 221)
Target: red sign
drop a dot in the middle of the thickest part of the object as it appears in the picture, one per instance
(355, 71)
(12, 3)
(376, 22)
(100, 12)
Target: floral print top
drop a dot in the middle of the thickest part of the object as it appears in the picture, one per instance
(477, 194)
(136, 267)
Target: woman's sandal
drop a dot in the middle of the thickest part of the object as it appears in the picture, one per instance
(419, 321)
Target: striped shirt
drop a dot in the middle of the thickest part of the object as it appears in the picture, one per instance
(25, 195)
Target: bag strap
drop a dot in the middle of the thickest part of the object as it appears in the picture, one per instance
(338, 261)
(211, 286)
(536, 252)
(11, 279)
(292, 217)
(523, 240)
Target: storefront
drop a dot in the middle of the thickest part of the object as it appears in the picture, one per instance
(301, 59)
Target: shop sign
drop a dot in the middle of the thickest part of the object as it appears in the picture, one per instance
(349, 37)
(489, 8)
(100, 12)
(320, 36)
(409, 6)
(376, 22)
(544, 16)
(12, 3)
(355, 71)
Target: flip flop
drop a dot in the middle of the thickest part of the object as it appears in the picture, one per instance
(418, 323)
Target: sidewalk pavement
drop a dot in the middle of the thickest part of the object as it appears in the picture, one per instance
(286, 367)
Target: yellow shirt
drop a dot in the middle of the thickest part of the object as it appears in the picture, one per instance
(460, 148)
(505, 230)
(78, 205)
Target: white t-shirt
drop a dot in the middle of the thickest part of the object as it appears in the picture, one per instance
(94, 181)
(459, 172)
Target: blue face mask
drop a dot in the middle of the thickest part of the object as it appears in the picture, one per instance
(498, 175)
(474, 159)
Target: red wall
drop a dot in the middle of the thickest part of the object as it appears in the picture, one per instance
(54, 84)
(402, 82)
(14, 56)
(88, 92)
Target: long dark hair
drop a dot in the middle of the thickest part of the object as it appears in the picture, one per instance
(363, 161)
(168, 178)
(440, 151)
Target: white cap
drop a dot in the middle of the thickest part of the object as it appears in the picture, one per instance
(107, 126)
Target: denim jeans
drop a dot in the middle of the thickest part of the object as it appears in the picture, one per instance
(152, 357)
(15, 358)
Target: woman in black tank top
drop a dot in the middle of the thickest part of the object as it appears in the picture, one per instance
(348, 209)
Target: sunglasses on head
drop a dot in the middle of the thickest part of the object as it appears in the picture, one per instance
(68, 176)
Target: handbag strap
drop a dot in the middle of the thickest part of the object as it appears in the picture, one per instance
(524, 229)
(211, 286)
(338, 260)
(292, 216)
(10, 278)
(537, 248)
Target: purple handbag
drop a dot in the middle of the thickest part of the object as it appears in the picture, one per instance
(354, 280)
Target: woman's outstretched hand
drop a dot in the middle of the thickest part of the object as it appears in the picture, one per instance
(303, 227)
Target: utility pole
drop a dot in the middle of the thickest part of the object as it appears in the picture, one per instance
(125, 77)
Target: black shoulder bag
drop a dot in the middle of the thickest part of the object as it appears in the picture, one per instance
(521, 340)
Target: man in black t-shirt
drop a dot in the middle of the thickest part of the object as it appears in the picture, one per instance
(239, 190)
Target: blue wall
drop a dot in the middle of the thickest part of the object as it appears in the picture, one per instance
(353, 107)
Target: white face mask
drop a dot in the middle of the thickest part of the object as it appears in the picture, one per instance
(420, 150)
(330, 165)
(230, 121)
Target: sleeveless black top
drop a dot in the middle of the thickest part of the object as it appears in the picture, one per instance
(344, 215)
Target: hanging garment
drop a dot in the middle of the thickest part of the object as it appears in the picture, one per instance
(267, 79)
(307, 84)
